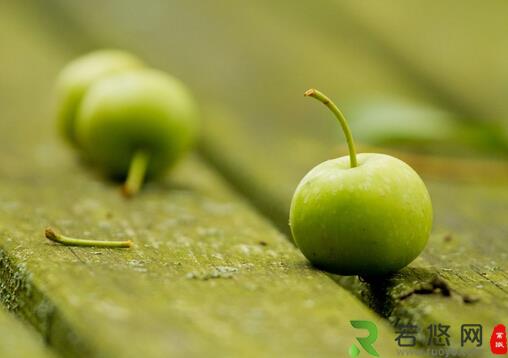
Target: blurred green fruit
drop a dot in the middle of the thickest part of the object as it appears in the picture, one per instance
(135, 122)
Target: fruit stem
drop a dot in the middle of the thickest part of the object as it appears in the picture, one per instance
(136, 175)
(342, 120)
(69, 241)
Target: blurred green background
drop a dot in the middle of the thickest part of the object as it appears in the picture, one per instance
(423, 81)
(425, 77)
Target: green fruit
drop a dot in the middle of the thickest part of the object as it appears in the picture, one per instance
(365, 215)
(75, 79)
(371, 219)
(135, 122)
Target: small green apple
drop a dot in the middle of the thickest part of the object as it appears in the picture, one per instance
(75, 79)
(135, 123)
(364, 215)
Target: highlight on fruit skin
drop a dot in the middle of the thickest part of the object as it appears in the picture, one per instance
(51, 235)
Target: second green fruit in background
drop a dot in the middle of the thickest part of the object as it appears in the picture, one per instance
(128, 120)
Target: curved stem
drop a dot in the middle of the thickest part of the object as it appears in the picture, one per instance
(136, 175)
(69, 241)
(342, 120)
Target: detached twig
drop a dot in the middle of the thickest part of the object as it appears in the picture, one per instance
(69, 241)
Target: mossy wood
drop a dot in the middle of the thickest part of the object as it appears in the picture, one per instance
(462, 275)
(207, 276)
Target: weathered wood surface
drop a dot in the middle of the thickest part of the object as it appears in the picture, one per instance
(207, 275)
(265, 137)
(19, 340)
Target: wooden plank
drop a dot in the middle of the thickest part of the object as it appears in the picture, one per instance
(18, 340)
(279, 143)
(207, 275)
